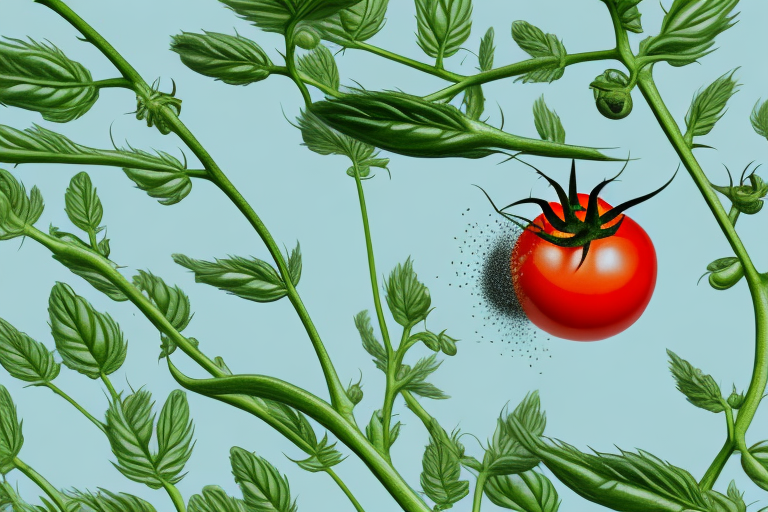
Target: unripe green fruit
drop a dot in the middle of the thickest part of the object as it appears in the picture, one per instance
(614, 104)
(306, 38)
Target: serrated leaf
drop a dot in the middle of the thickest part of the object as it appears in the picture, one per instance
(129, 430)
(700, 389)
(443, 26)
(487, 50)
(89, 342)
(39, 77)
(441, 470)
(324, 457)
(407, 297)
(629, 15)
(83, 205)
(708, 106)
(20, 209)
(505, 454)
(294, 421)
(688, 30)
(251, 279)
(374, 432)
(474, 102)
(275, 15)
(529, 491)
(24, 358)
(414, 378)
(172, 302)
(235, 60)
(362, 21)
(215, 499)
(263, 487)
(370, 343)
(536, 43)
(11, 438)
(106, 501)
(174, 438)
(547, 122)
(320, 66)
(759, 118)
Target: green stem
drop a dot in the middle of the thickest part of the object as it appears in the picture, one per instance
(112, 392)
(392, 387)
(317, 409)
(417, 409)
(176, 497)
(283, 71)
(518, 68)
(41, 482)
(714, 470)
(76, 405)
(426, 68)
(339, 398)
(479, 487)
(290, 61)
(758, 285)
(345, 489)
(733, 215)
(99, 84)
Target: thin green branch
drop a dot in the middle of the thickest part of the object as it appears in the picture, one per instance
(328, 91)
(477, 499)
(290, 61)
(518, 68)
(76, 405)
(426, 68)
(393, 387)
(176, 497)
(345, 489)
(415, 406)
(112, 392)
(99, 84)
(42, 483)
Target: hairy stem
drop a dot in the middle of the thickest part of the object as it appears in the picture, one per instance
(479, 487)
(76, 405)
(41, 482)
(758, 285)
(176, 497)
(345, 489)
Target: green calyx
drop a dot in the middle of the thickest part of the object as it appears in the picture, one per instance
(583, 232)
(612, 92)
(149, 107)
(745, 197)
(306, 38)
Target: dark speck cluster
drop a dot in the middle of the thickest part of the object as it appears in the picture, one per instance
(483, 269)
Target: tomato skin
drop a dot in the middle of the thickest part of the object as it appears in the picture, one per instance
(600, 299)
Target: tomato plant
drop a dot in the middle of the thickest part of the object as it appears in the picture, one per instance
(589, 300)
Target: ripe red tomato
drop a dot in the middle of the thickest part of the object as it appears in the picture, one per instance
(603, 297)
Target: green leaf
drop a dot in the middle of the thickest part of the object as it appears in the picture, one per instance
(83, 205)
(215, 499)
(296, 422)
(759, 119)
(89, 342)
(529, 491)
(413, 379)
(19, 209)
(359, 22)
(755, 464)
(412, 126)
(174, 438)
(24, 358)
(324, 140)
(320, 66)
(629, 15)
(275, 15)
(708, 106)
(533, 41)
(407, 297)
(505, 454)
(11, 438)
(173, 303)
(374, 432)
(474, 102)
(547, 122)
(39, 77)
(235, 60)
(736, 497)
(443, 26)
(106, 501)
(168, 346)
(325, 457)
(319, 9)
(441, 470)
(700, 389)
(370, 343)
(264, 488)
(487, 50)
(129, 430)
(294, 264)
(631, 482)
(688, 30)
(251, 279)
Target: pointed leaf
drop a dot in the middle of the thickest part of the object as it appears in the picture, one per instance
(759, 119)
(173, 303)
(11, 438)
(106, 501)
(20, 209)
(174, 437)
(441, 471)
(487, 50)
(407, 297)
(708, 106)
(700, 389)
(443, 26)
(529, 491)
(547, 122)
(320, 66)
(24, 358)
(83, 205)
(370, 343)
(264, 488)
(215, 499)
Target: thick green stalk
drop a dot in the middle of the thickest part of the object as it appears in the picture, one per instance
(42, 483)
(99, 84)
(76, 405)
(758, 284)
(426, 68)
(317, 409)
(176, 497)
(339, 398)
(346, 490)
(516, 69)
(392, 388)
(479, 487)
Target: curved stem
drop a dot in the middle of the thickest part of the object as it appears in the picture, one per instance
(115, 396)
(392, 388)
(426, 68)
(76, 405)
(345, 489)
(479, 487)
(290, 61)
(283, 71)
(413, 404)
(99, 84)
(519, 68)
(758, 284)
(176, 497)
(41, 482)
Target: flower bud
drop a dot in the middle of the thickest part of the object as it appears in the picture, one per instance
(355, 393)
(612, 94)
(724, 273)
(150, 106)
(747, 198)
(735, 400)
(306, 38)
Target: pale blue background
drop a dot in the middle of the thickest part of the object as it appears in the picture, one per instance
(617, 391)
